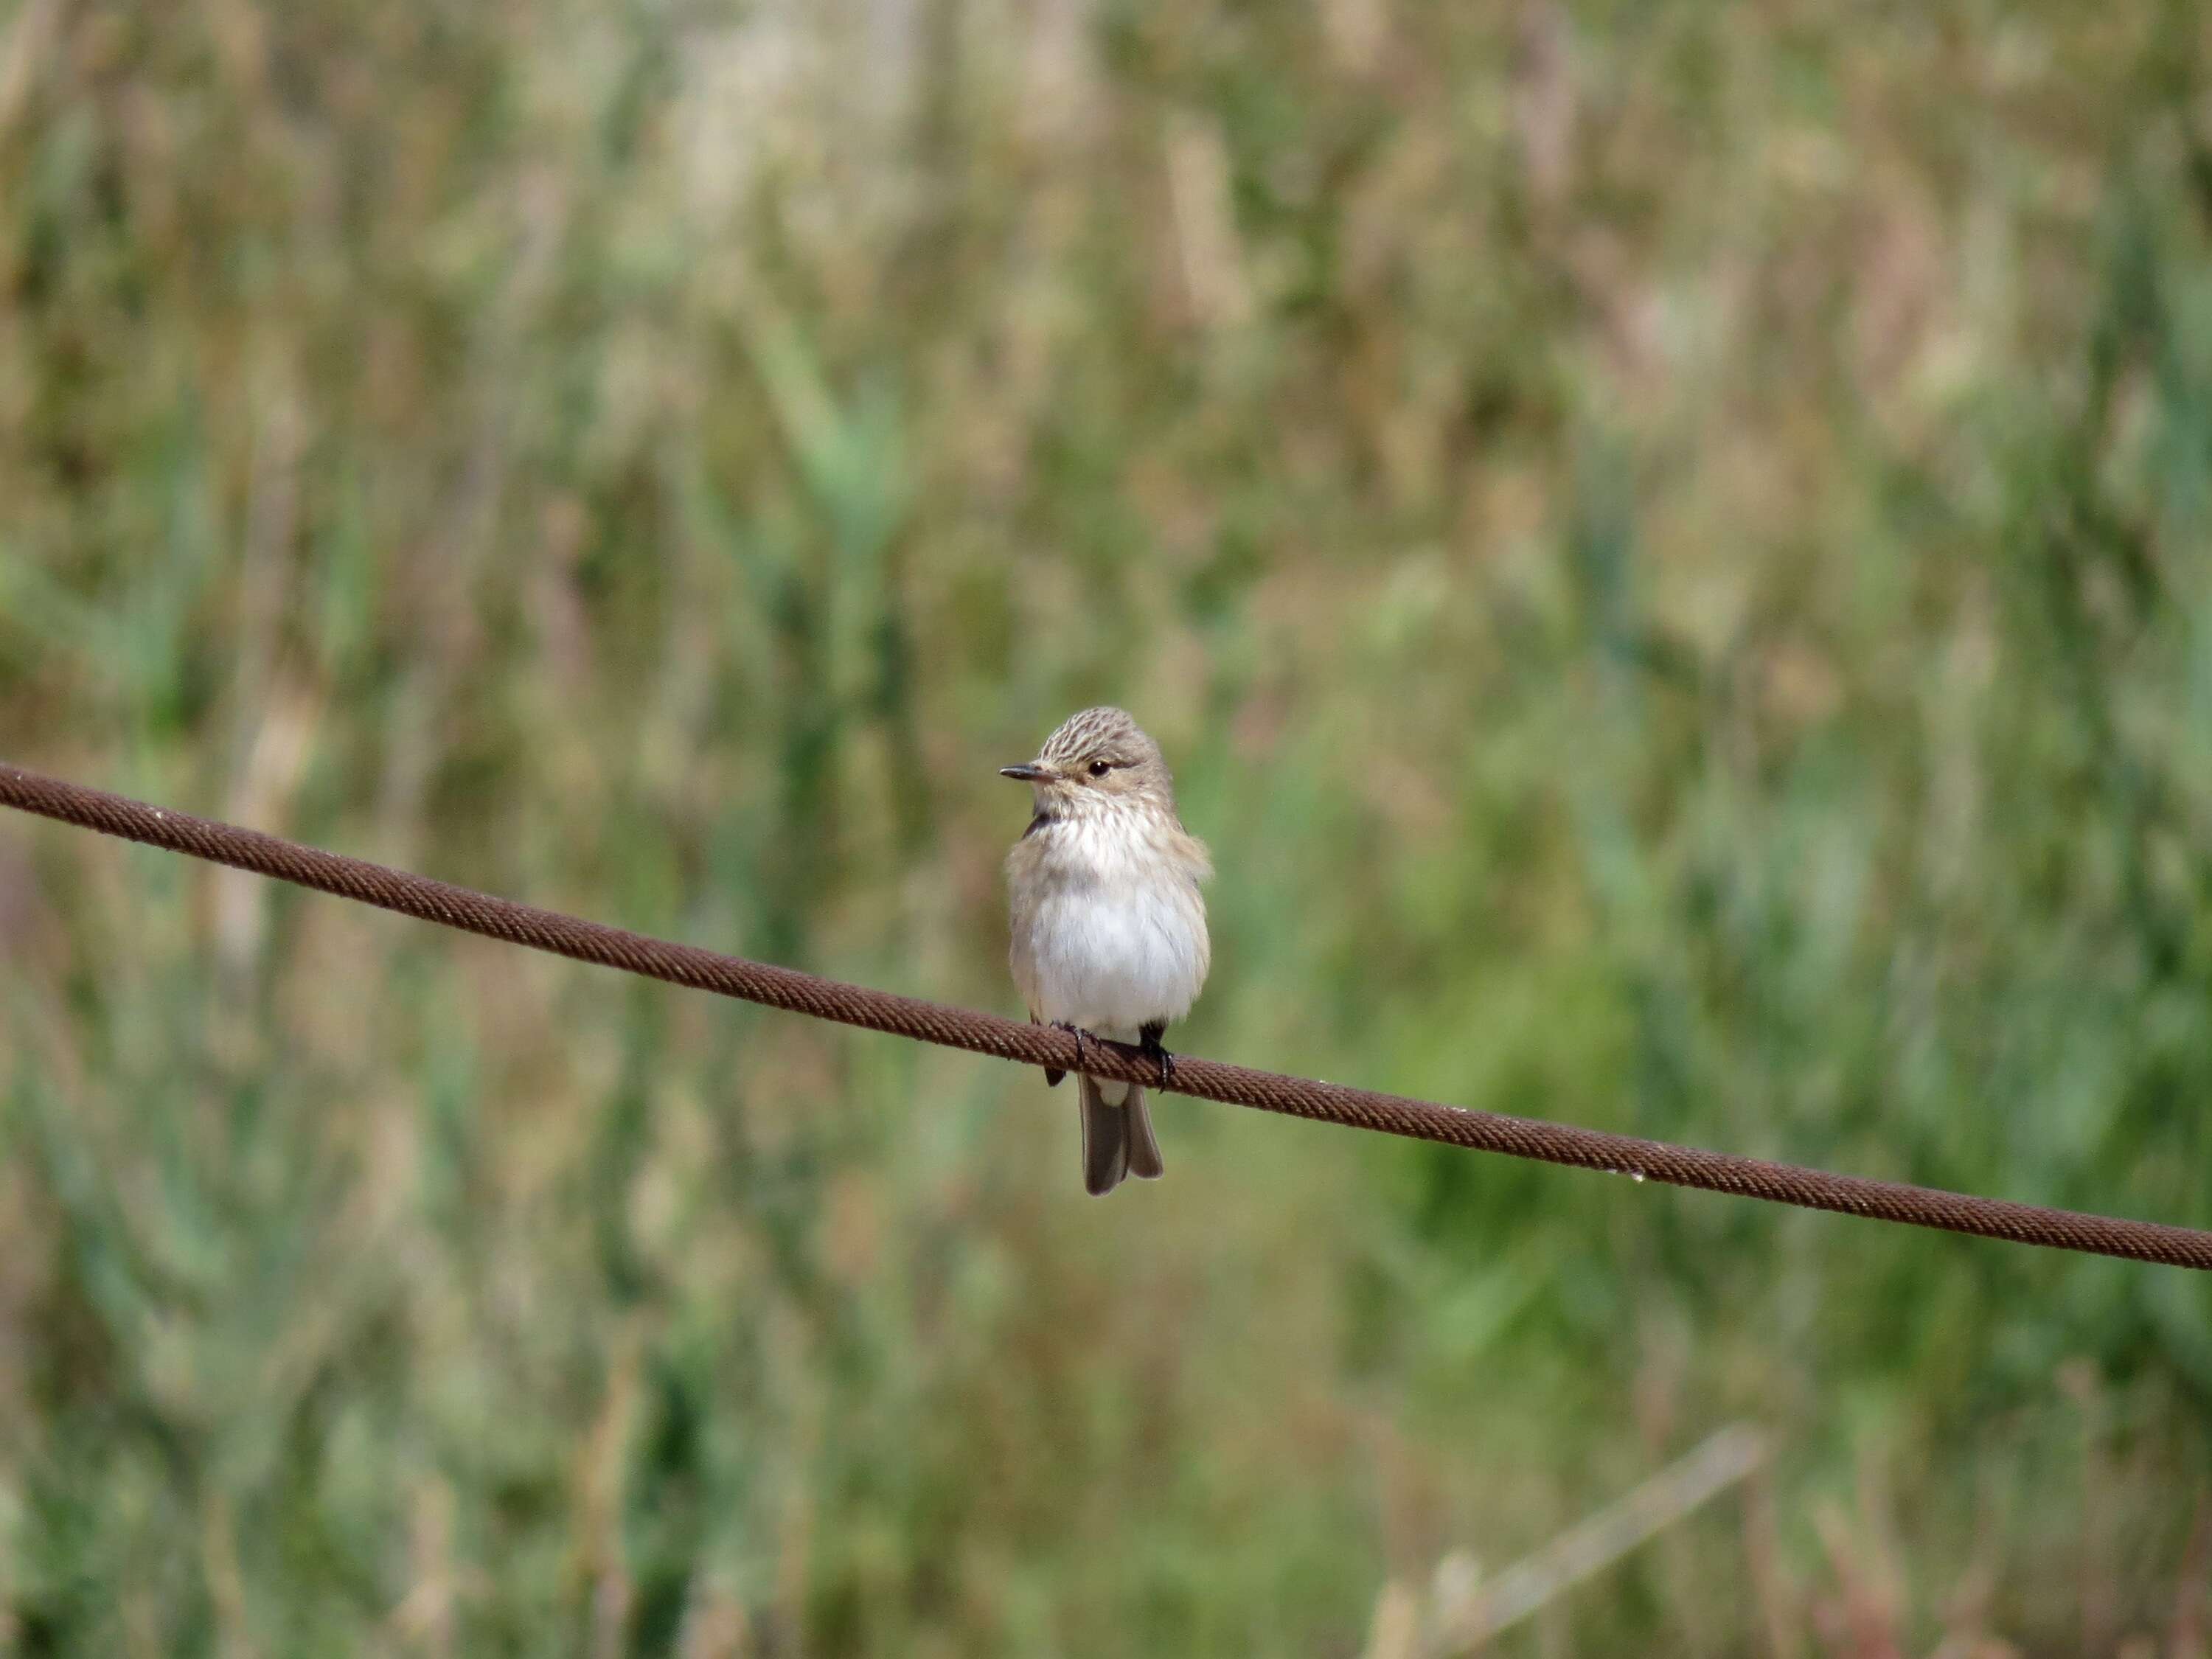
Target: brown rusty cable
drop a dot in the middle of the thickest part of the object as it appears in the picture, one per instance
(1036, 1045)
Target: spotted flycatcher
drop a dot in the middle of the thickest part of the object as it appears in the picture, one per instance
(1109, 927)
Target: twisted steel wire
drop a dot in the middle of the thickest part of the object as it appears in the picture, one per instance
(1038, 1045)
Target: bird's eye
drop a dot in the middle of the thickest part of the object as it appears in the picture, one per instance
(1100, 768)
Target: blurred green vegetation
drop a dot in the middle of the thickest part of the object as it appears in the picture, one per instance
(1666, 544)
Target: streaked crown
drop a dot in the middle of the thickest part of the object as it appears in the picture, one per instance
(1104, 734)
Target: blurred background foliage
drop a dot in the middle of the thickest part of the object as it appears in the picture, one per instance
(1666, 542)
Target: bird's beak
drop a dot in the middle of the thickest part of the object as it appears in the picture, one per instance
(1026, 773)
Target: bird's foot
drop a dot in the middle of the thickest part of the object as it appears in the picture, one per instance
(1075, 1032)
(1149, 1044)
(1051, 1074)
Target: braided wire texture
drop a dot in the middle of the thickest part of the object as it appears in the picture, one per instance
(982, 1033)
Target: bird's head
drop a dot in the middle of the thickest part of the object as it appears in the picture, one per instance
(1098, 759)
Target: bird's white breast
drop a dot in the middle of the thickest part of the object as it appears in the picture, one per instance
(1114, 935)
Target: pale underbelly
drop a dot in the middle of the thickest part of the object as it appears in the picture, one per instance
(1114, 966)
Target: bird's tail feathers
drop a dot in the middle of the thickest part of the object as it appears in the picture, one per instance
(1117, 1139)
(1105, 1141)
(1144, 1150)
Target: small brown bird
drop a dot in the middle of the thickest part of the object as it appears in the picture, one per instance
(1108, 926)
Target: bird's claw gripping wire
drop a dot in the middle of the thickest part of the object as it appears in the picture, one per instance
(1052, 1074)
(1149, 1045)
(1075, 1032)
